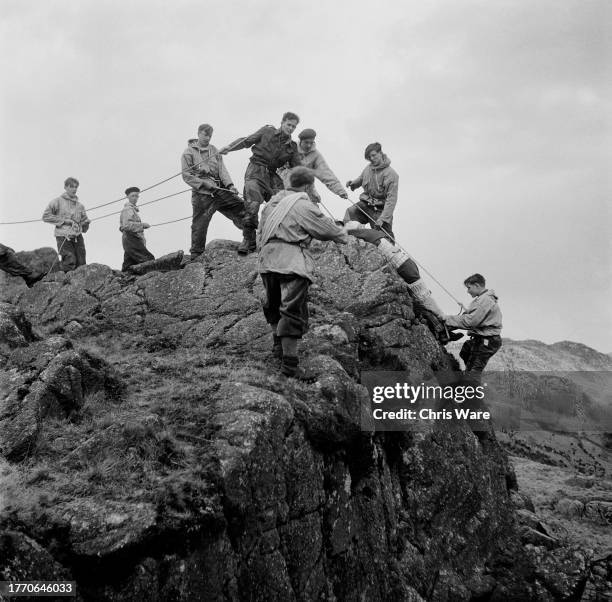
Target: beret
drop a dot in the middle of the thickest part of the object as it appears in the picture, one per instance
(308, 133)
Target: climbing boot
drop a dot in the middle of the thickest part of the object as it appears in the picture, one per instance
(291, 369)
(277, 347)
(249, 242)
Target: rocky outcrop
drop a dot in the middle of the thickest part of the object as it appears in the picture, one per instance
(214, 478)
(41, 379)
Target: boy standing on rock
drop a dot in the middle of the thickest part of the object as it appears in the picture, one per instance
(212, 188)
(312, 158)
(379, 197)
(289, 222)
(132, 228)
(272, 149)
(71, 222)
(483, 321)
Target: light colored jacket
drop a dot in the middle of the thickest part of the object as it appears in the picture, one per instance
(203, 168)
(129, 220)
(286, 252)
(314, 160)
(62, 211)
(380, 184)
(482, 317)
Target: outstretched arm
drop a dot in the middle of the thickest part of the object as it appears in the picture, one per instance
(474, 316)
(241, 143)
(319, 226)
(328, 177)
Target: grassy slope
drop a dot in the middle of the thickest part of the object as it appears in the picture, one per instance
(130, 440)
(547, 485)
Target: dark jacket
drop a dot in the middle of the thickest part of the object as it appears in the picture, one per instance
(270, 147)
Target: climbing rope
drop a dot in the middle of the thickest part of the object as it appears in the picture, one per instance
(142, 204)
(373, 222)
(59, 251)
(33, 221)
(404, 250)
(172, 221)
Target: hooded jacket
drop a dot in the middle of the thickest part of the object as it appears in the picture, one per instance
(68, 215)
(380, 184)
(314, 160)
(203, 168)
(286, 251)
(483, 317)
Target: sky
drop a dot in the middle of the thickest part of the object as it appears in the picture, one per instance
(495, 114)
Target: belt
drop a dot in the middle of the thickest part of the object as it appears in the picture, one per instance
(294, 242)
(272, 170)
(373, 201)
(482, 337)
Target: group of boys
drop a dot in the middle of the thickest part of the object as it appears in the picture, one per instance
(280, 174)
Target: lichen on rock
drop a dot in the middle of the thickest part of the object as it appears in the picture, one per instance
(156, 453)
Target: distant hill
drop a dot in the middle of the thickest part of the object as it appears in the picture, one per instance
(551, 431)
(534, 355)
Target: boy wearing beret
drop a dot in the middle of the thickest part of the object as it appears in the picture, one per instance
(312, 158)
(132, 228)
(289, 222)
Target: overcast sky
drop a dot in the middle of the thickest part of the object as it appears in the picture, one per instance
(495, 113)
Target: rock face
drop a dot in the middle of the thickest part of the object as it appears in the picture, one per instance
(41, 379)
(200, 474)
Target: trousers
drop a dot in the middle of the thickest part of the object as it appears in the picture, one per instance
(364, 213)
(260, 185)
(204, 207)
(286, 303)
(134, 250)
(476, 353)
(11, 265)
(72, 252)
